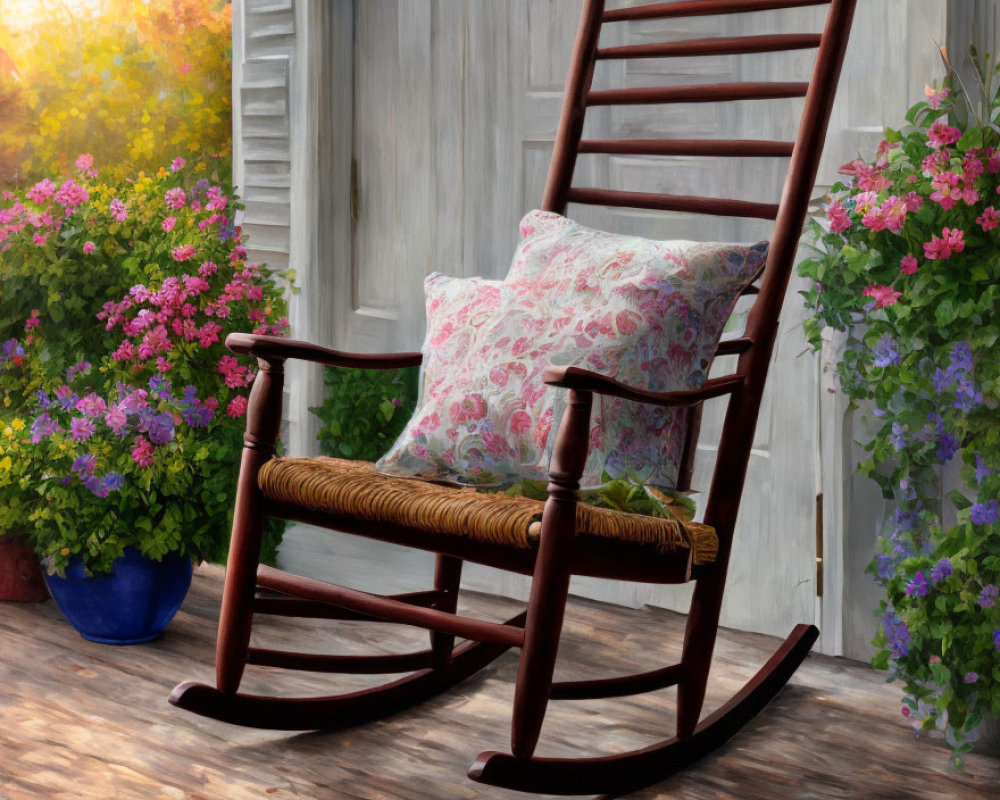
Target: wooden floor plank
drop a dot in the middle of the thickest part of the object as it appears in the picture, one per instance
(83, 720)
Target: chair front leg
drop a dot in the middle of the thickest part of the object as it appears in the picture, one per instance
(550, 582)
(263, 423)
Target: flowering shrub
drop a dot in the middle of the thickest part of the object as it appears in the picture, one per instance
(133, 406)
(908, 264)
(131, 81)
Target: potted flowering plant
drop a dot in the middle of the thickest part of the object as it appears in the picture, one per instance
(135, 423)
(908, 265)
(20, 577)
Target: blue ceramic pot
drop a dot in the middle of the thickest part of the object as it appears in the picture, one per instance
(132, 604)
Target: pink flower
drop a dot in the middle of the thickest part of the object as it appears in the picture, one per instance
(175, 198)
(884, 296)
(118, 210)
(934, 163)
(183, 253)
(908, 264)
(520, 422)
(89, 248)
(940, 248)
(70, 195)
(209, 334)
(237, 407)
(989, 218)
(92, 405)
(142, 452)
(85, 163)
(942, 134)
(41, 192)
(116, 419)
(124, 351)
(211, 403)
(81, 429)
(935, 96)
(168, 224)
(865, 202)
(946, 190)
(39, 239)
(177, 164)
(162, 365)
(894, 210)
(874, 220)
(839, 219)
(992, 160)
(207, 269)
(913, 201)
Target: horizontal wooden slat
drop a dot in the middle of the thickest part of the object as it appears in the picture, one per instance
(739, 148)
(716, 206)
(715, 46)
(388, 609)
(622, 686)
(347, 665)
(702, 8)
(731, 347)
(704, 93)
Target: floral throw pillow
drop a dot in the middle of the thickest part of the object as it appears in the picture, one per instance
(647, 313)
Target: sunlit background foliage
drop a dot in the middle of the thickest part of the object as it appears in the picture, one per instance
(132, 82)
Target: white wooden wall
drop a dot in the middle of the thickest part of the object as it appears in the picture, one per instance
(446, 110)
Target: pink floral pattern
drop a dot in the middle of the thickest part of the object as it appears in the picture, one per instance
(647, 313)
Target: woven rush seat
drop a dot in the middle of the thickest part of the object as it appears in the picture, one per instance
(354, 489)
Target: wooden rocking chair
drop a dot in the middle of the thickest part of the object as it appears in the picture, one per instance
(355, 499)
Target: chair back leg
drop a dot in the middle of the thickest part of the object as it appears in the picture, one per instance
(447, 577)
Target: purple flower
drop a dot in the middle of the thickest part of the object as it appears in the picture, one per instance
(67, 397)
(996, 639)
(114, 481)
(886, 351)
(159, 386)
(941, 570)
(897, 634)
(942, 380)
(971, 677)
(84, 465)
(81, 428)
(982, 471)
(43, 399)
(918, 586)
(80, 368)
(43, 427)
(161, 429)
(96, 486)
(198, 416)
(966, 395)
(898, 437)
(884, 566)
(947, 445)
(190, 395)
(984, 513)
(961, 358)
(988, 596)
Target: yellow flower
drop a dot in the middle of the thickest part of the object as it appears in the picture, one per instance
(17, 424)
(6, 401)
(64, 551)
(6, 463)
(8, 432)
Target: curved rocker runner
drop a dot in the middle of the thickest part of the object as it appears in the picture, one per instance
(561, 537)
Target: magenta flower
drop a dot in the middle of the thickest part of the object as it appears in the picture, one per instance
(177, 164)
(39, 239)
(908, 264)
(70, 195)
(865, 202)
(942, 134)
(142, 452)
(175, 199)
(89, 248)
(168, 224)
(116, 419)
(941, 247)
(85, 163)
(894, 211)
(81, 429)
(207, 269)
(237, 407)
(936, 96)
(946, 190)
(989, 219)
(118, 210)
(41, 192)
(874, 220)
(884, 296)
(181, 254)
(92, 405)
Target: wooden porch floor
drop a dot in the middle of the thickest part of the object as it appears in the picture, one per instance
(83, 720)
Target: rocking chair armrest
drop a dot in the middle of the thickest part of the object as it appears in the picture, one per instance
(279, 348)
(586, 381)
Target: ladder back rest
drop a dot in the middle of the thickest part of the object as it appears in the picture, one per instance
(755, 346)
